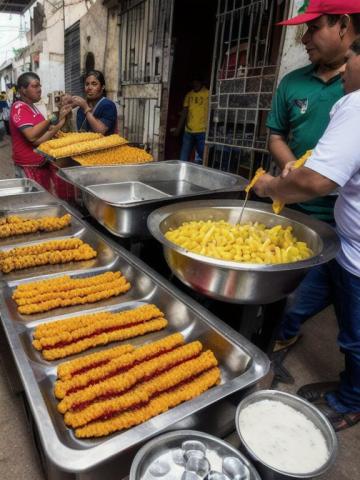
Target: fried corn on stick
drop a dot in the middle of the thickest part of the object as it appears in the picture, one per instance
(24, 226)
(67, 294)
(141, 395)
(160, 404)
(73, 368)
(66, 140)
(84, 252)
(52, 246)
(122, 287)
(114, 386)
(62, 284)
(277, 206)
(88, 146)
(56, 329)
(79, 366)
(117, 365)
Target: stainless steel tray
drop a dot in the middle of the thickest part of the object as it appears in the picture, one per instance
(41, 211)
(106, 256)
(242, 364)
(21, 193)
(146, 187)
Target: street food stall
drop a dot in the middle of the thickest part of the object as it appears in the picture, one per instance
(108, 353)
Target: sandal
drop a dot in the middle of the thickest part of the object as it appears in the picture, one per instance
(281, 345)
(339, 421)
(313, 392)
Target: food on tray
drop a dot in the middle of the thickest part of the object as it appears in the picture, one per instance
(133, 387)
(77, 148)
(283, 437)
(44, 295)
(53, 252)
(13, 225)
(67, 139)
(116, 155)
(250, 243)
(77, 334)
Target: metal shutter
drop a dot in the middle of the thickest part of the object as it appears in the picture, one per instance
(73, 83)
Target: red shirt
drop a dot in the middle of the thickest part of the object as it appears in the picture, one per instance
(23, 116)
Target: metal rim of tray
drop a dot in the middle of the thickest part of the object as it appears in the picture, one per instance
(201, 436)
(80, 460)
(236, 188)
(331, 242)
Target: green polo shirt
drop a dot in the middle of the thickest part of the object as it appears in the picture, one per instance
(300, 112)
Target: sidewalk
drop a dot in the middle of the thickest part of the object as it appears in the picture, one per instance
(6, 163)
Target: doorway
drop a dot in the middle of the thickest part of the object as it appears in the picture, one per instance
(193, 38)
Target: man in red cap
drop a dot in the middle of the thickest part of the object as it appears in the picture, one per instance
(299, 117)
(335, 163)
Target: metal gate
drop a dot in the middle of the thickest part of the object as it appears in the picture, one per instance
(72, 60)
(245, 67)
(145, 43)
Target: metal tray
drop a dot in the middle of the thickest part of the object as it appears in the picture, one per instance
(41, 211)
(242, 364)
(173, 179)
(22, 193)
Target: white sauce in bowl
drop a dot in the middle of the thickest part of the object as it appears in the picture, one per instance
(282, 437)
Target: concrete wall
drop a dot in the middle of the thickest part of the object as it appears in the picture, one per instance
(104, 46)
(294, 54)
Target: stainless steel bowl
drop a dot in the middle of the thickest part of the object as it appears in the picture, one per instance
(241, 282)
(159, 446)
(310, 411)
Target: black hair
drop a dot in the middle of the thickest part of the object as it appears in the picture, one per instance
(25, 78)
(98, 75)
(355, 46)
(355, 20)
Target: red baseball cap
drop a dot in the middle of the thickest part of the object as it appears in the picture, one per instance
(315, 8)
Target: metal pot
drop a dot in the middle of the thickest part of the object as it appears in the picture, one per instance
(236, 282)
(311, 412)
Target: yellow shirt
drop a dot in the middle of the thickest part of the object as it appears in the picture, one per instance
(198, 107)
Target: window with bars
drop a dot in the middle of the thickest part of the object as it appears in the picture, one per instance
(245, 66)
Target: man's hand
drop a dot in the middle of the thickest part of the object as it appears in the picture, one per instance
(80, 102)
(175, 132)
(289, 167)
(65, 110)
(262, 187)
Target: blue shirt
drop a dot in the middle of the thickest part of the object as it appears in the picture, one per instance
(105, 111)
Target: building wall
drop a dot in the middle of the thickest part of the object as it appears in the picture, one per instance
(99, 34)
(294, 54)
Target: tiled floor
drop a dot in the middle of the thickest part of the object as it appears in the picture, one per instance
(314, 358)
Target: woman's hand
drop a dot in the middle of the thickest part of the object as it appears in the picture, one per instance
(65, 110)
(80, 102)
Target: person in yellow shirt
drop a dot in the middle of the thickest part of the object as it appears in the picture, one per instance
(194, 117)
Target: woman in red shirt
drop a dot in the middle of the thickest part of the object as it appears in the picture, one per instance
(29, 129)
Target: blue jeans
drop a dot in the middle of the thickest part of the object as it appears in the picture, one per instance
(191, 140)
(323, 285)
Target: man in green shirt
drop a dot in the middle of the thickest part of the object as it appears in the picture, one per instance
(304, 98)
(298, 119)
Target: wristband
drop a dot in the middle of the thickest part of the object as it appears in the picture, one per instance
(52, 119)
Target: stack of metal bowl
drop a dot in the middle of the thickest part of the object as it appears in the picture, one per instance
(237, 282)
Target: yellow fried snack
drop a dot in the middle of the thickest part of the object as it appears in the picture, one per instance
(277, 205)
(68, 139)
(250, 243)
(88, 146)
(99, 330)
(116, 155)
(53, 252)
(144, 392)
(159, 404)
(122, 382)
(10, 226)
(66, 291)
(117, 365)
(259, 172)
